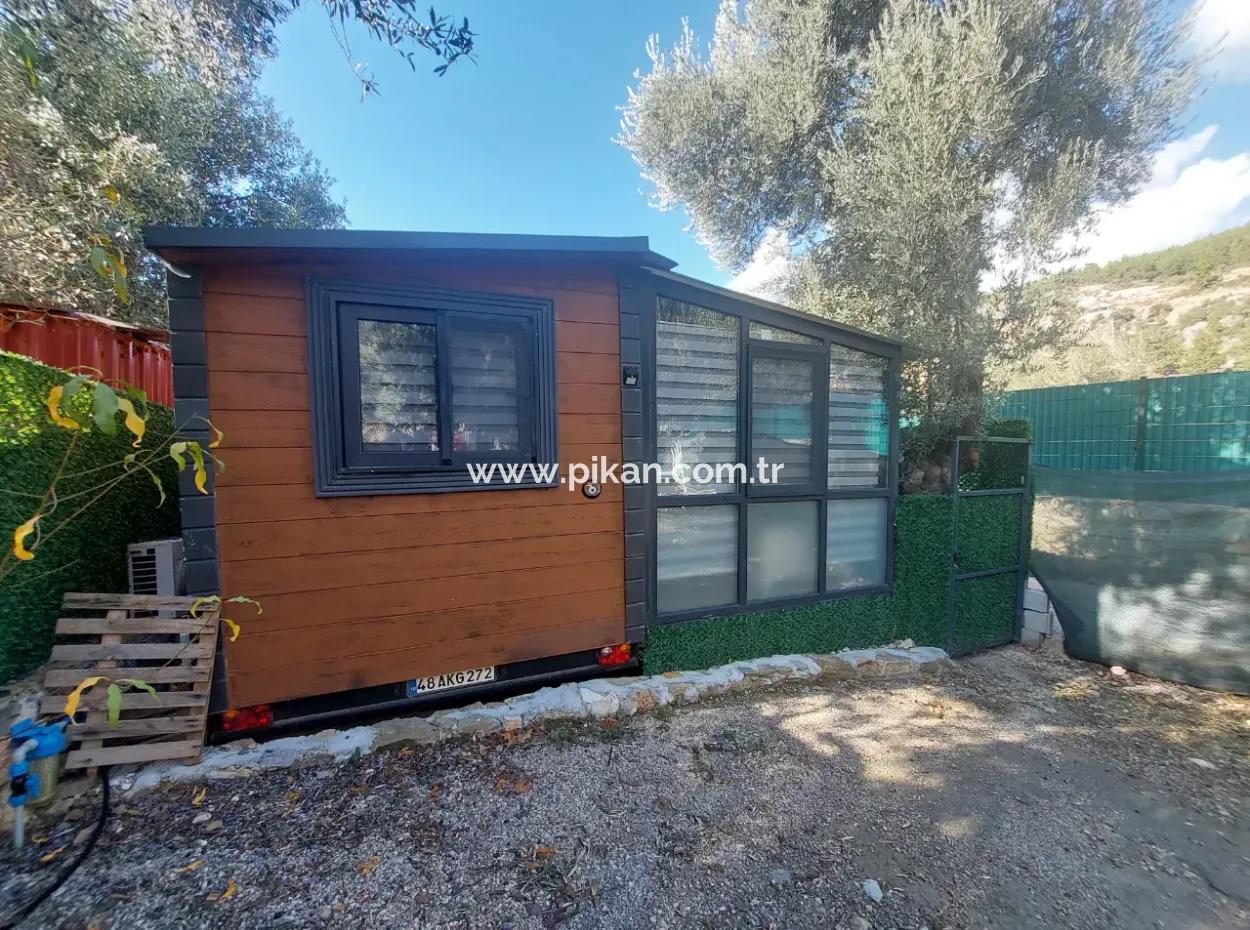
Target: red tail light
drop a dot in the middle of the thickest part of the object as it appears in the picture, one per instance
(611, 656)
(236, 720)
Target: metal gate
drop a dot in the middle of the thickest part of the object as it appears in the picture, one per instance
(987, 572)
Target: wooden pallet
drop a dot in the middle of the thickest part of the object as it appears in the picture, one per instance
(154, 639)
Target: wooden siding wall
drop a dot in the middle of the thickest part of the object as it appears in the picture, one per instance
(361, 591)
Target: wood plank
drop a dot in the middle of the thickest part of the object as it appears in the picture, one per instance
(338, 674)
(169, 702)
(588, 337)
(85, 626)
(265, 503)
(313, 608)
(486, 275)
(259, 390)
(573, 399)
(254, 316)
(286, 575)
(77, 600)
(586, 307)
(134, 651)
(262, 429)
(239, 352)
(129, 755)
(139, 727)
(262, 649)
(374, 533)
(587, 368)
(70, 677)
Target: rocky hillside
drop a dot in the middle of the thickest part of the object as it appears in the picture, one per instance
(1183, 310)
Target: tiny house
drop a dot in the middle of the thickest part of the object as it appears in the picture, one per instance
(458, 463)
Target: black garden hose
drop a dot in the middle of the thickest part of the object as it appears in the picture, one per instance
(29, 907)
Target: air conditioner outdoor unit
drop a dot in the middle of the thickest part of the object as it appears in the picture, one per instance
(156, 567)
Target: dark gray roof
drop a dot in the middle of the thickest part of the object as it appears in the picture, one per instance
(636, 249)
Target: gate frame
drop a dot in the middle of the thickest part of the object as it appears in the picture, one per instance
(1021, 568)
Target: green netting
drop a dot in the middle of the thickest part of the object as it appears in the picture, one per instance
(1192, 424)
(1148, 570)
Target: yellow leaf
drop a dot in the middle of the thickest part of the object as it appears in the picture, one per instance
(19, 538)
(54, 409)
(135, 423)
(48, 857)
(232, 627)
(366, 868)
(189, 867)
(200, 796)
(71, 702)
(218, 435)
(228, 893)
(200, 602)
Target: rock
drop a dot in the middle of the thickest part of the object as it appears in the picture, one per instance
(513, 723)
(201, 818)
(214, 825)
(1118, 670)
(80, 839)
(1201, 763)
(398, 734)
(600, 704)
(646, 701)
(780, 878)
(858, 923)
(873, 890)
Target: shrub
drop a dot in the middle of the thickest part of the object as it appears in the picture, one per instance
(90, 554)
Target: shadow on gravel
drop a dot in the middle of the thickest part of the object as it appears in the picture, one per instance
(1018, 791)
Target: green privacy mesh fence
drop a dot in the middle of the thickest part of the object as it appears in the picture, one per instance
(1187, 424)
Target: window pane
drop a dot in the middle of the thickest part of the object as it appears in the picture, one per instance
(782, 548)
(855, 544)
(697, 557)
(772, 334)
(859, 420)
(781, 417)
(696, 391)
(486, 367)
(398, 387)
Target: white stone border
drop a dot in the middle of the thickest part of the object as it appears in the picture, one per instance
(604, 697)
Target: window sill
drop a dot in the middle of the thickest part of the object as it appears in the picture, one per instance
(355, 484)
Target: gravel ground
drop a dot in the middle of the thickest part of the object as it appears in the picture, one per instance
(1020, 790)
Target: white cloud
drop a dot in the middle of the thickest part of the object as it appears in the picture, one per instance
(1226, 23)
(760, 276)
(1185, 200)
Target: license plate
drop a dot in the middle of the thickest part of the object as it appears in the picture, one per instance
(474, 676)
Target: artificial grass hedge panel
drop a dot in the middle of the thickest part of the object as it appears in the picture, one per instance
(90, 553)
(989, 532)
(916, 609)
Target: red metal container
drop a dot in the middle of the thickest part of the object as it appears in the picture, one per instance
(137, 355)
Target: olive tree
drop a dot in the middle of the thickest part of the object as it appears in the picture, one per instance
(924, 159)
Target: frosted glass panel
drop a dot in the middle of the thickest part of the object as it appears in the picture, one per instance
(859, 422)
(771, 334)
(856, 549)
(696, 391)
(398, 387)
(782, 549)
(486, 389)
(697, 557)
(781, 416)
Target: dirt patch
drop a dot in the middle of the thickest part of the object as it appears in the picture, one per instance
(1018, 790)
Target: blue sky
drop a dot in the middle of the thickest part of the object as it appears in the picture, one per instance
(521, 141)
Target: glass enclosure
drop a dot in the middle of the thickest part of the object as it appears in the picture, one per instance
(809, 416)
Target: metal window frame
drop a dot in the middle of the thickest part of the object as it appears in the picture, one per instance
(639, 291)
(330, 375)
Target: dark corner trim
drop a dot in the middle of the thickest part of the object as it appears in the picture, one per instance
(191, 412)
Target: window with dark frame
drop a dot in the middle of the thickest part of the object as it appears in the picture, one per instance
(412, 385)
(731, 387)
